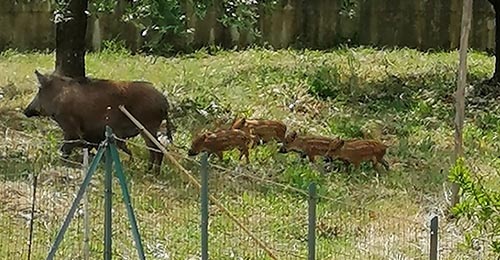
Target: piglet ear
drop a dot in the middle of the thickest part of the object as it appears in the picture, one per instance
(207, 135)
(210, 135)
(237, 123)
(339, 145)
(41, 78)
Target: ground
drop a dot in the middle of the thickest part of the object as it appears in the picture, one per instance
(402, 97)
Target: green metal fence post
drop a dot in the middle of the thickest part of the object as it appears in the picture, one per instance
(108, 198)
(204, 206)
(126, 200)
(311, 237)
(434, 239)
(76, 202)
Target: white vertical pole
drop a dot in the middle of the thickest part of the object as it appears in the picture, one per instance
(460, 93)
(86, 247)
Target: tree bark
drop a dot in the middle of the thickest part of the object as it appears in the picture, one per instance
(70, 40)
(496, 7)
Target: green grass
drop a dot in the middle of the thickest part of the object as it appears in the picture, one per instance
(401, 96)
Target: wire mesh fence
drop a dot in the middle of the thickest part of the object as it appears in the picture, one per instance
(168, 214)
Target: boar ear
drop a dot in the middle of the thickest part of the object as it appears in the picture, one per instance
(236, 122)
(41, 78)
(339, 144)
(208, 135)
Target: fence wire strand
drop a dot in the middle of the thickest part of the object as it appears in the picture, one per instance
(56, 191)
(261, 179)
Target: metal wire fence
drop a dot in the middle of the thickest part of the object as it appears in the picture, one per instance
(168, 214)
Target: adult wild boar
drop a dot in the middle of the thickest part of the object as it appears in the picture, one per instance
(311, 146)
(221, 140)
(264, 130)
(359, 150)
(80, 108)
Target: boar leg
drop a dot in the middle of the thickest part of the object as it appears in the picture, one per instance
(72, 135)
(70, 142)
(383, 162)
(356, 165)
(346, 164)
(123, 146)
(375, 163)
(244, 151)
(219, 155)
(327, 159)
(155, 157)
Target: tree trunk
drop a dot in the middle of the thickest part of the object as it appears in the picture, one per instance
(70, 40)
(496, 7)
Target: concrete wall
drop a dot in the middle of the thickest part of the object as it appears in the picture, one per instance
(423, 24)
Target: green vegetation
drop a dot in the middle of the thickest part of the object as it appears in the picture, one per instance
(162, 20)
(402, 97)
(167, 26)
(480, 203)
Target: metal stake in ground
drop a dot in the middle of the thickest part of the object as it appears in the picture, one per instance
(204, 206)
(311, 237)
(76, 202)
(434, 239)
(108, 177)
(126, 200)
(86, 239)
(109, 147)
(32, 220)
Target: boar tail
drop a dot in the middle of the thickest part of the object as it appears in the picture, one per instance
(168, 130)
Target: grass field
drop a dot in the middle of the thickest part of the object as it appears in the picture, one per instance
(402, 97)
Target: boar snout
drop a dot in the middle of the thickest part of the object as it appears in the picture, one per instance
(283, 150)
(32, 109)
(191, 152)
(31, 113)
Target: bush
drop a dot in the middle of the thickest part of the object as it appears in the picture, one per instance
(479, 204)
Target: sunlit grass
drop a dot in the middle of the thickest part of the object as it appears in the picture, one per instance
(401, 96)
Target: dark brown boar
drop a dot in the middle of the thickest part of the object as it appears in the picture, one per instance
(264, 130)
(357, 151)
(221, 140)
(81, 110)
(311, 146)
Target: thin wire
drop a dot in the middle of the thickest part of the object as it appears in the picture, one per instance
(178, 155)
(284, 186)
(197, 184)
(70, 161)
(41, 137)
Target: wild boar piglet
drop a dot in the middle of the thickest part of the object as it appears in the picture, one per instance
(357, 151)
(221, 140)
(264, 130)
(311, 146)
